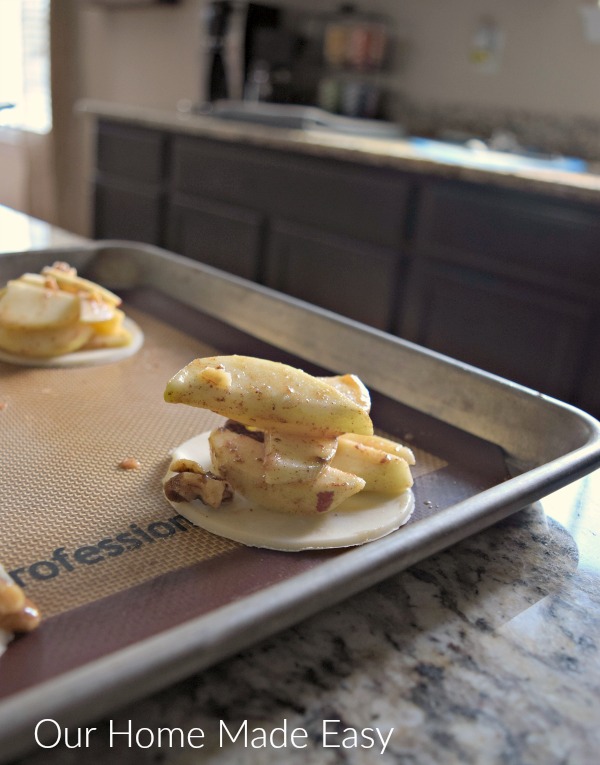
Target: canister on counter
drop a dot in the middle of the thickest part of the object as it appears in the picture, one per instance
(359, 99)
(355, 41)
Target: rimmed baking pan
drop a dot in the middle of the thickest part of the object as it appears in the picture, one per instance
(135, 597)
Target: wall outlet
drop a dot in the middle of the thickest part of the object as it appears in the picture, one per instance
(486, 48)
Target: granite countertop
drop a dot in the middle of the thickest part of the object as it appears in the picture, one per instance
(20, 232)
(395, 153)
(485, 653)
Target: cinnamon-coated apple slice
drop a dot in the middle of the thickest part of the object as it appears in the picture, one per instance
(267, 395)
(238, 458)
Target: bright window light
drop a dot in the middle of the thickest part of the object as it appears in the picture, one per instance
(25, 65)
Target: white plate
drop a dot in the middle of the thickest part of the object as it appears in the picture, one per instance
(85, 358)
(361, 518)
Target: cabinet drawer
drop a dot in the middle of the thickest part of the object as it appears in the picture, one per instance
(498, 325)
(127, 212)
(345, 276)
(360, 202)
(588, 391)
(223, 236)
(539, 239)
(131, 152)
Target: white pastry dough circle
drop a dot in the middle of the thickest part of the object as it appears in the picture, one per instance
(84, 358)
(362, 518)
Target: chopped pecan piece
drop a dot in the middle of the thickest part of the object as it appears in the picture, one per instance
(191, 482)
(17, 612)
(129, 463)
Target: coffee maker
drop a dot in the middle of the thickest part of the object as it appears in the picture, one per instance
(224, 28)
(230, 31)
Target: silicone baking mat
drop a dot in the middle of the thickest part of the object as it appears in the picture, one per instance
(97, 547)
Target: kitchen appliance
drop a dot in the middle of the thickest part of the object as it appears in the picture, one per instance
(230, 32)
(223, 43)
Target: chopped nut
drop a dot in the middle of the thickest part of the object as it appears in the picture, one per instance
(130, 463)
(207, 487)
(185, 466)
(60, 265)
(24, 620)
(12, 597)
(17, 612)
(217, 376)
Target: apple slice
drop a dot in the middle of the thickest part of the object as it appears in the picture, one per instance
(267, 395)
(288, 459)
(382, 472)
(44, 343)
(28, 306)
(352, 387)
(69, 281)
(92, 310)
(239, 460)
(385, 444)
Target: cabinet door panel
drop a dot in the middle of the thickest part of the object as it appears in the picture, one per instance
(541, 239)
(588, 391)
(131, 152)
(127, 212)
(516, 332)
(351, 278)
(356, 201)
(223, 236)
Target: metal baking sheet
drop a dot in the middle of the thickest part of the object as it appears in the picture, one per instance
(129, 619)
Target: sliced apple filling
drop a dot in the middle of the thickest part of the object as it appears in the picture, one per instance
(58, 312)
(293, 443)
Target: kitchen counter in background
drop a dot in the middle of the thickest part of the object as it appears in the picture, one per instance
(398, 153)
(485, 653)
(20, 232)
(495, 267)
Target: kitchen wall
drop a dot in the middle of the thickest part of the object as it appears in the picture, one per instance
(152, 56)
(545, 81)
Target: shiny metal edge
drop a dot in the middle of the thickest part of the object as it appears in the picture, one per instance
(552, 443)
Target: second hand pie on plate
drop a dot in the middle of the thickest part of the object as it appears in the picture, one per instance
(57, 318)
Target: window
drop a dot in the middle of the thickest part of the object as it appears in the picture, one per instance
(25, 65)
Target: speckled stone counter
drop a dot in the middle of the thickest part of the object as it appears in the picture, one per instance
(20, 232)
(393, 153)
(485, 653)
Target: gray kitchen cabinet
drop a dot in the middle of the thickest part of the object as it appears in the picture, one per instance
(588, 393)
(222, 235)
(123, 211)
(500, 325)
(295, 223)
(362, 203)
(129, 189)
(548, 242)
(505, 280)
(334, 272)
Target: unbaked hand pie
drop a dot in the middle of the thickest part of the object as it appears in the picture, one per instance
(294, 466)
(59, 318)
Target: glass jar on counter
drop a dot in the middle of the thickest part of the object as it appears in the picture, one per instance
(355, 41)
(349, 97)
